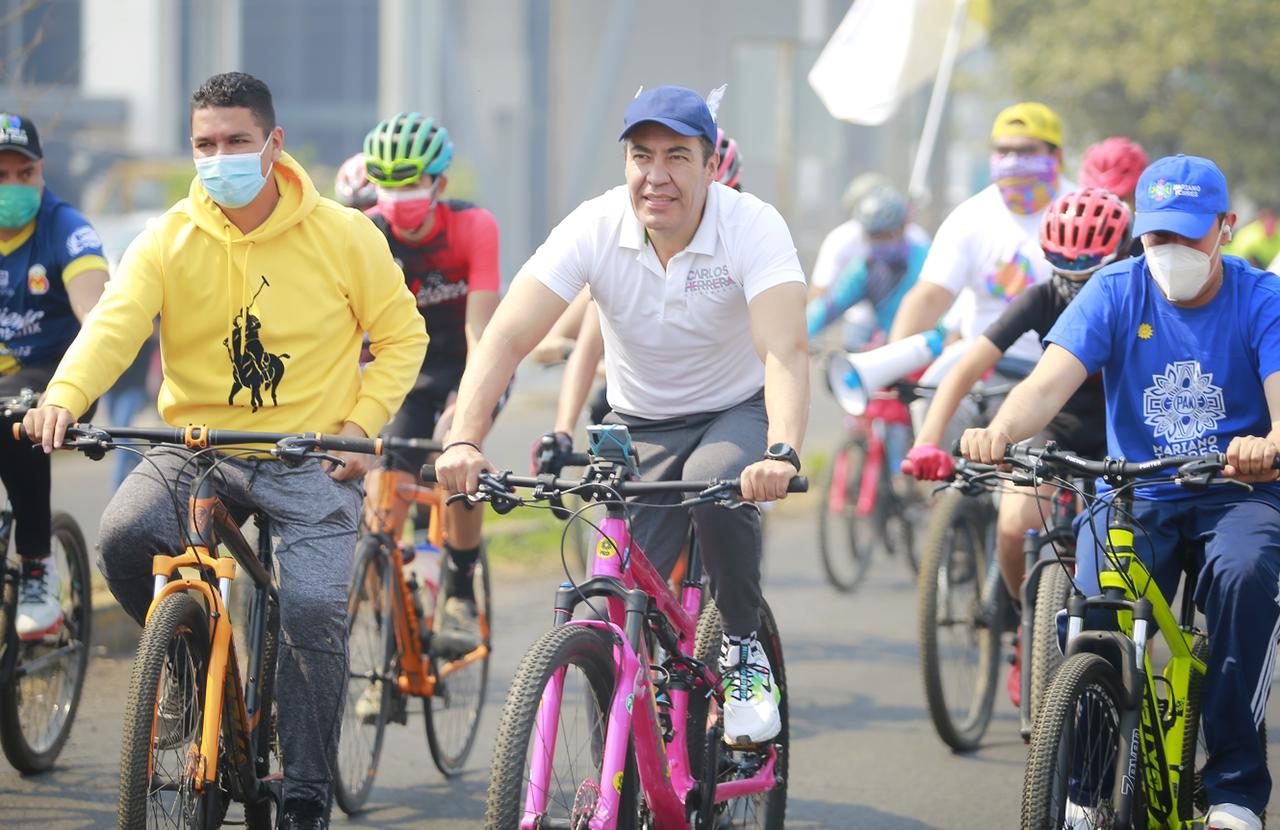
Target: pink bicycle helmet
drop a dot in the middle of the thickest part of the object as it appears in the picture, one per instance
(730, 160)
(1084, 230)
(352, 186)
(1114, 164)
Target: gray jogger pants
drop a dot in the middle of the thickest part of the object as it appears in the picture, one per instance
(699, 447)
(314, 520)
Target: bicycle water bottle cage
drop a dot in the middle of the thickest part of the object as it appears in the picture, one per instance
(612, 443)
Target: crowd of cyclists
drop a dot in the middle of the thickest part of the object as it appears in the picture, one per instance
(1135, 318)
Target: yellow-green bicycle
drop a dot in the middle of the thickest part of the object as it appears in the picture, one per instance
(1116, 743)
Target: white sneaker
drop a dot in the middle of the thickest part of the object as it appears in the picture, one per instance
(1232, 817)
(39, 599)
(751, 696)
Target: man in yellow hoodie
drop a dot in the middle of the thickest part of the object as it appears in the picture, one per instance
(264, 291)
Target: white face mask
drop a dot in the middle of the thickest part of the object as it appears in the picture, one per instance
(1181, 272)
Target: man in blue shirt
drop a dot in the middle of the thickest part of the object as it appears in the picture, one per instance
(52, 271)
(1188, 343)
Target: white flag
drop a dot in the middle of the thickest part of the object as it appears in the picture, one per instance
(882, 51)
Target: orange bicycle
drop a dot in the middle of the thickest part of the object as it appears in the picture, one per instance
(399, 648)
(198, 734)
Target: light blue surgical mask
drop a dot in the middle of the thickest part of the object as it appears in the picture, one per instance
(233, 180)
(18, 204)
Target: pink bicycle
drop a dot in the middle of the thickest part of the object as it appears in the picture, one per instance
(613, 720)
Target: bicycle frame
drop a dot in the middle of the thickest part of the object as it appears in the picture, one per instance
(226, 697)
(416, 677)
(635, 594)
(1158, 735)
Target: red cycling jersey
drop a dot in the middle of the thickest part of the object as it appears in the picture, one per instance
(459, 256)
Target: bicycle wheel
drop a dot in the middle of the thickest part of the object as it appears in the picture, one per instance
(959, 627)
(452, 713)
(163, 719)
(372, 675)
(903, 518)
(766, 810)
(37, 709)
(580, 658)
(845, 539)
(1046, 654)
(1070, 777)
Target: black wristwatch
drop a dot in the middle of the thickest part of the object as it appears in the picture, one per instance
(784, 452)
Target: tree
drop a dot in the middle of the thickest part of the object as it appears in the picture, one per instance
(1180, 76)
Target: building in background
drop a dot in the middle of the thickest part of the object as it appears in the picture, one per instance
(531, 91)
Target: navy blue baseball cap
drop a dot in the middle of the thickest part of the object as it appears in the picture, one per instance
(675, 107)
(1180, 194)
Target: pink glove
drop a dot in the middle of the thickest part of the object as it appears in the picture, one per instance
(928, 463)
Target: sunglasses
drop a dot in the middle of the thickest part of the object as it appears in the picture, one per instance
(1075, 265)
(394, 174)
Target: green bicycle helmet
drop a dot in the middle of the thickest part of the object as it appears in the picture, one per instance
(401, 149)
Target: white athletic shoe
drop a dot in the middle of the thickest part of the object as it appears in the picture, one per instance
(39, 599)
(1232, 817)
(751, 696)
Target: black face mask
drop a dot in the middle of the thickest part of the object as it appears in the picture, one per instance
(1067, 289)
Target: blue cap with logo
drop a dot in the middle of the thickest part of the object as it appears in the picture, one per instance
(1180, 194)
(675, 107)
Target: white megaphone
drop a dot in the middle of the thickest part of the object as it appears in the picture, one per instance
(853, 376)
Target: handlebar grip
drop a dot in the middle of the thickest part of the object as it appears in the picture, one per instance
(799, 484)
(428, 473)
(955, 448)
(19, 431)
(576, 459)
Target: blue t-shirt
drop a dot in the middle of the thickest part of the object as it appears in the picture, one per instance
(884, 284)
(1179, 381)
(36, 321)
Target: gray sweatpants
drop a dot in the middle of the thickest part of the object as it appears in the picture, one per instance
(699, 447)
(313, 520)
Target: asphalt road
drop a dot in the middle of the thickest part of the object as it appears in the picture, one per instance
(863, 751)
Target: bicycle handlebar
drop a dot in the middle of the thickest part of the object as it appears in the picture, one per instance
(798, 484)
(1116, 469)
(87, 436)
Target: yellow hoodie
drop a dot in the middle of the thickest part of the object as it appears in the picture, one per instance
(258, 331)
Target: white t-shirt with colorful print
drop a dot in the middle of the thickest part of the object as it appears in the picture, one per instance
(987, 255)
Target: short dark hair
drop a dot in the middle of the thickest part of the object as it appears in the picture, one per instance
(708, 148)
(237, 89)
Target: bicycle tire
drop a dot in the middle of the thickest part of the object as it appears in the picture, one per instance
(37, 753)
(771, 803)
(177, 625)
(589, 651)
(1082, 680)
(266, 746)
(845, 540)
(450, 747)
(942, 567)
(1046, 655)
(371, 673)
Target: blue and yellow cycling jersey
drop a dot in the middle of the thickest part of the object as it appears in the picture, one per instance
(36, 321)
(883, 281)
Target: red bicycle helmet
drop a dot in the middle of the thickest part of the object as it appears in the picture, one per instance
(352, 186)
(730, 160)
(1084, 230)
(1114, 164)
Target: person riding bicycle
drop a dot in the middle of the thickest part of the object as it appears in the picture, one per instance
(52, 272)
(847, 243)
(584, 360)
(1115, 164)
(351, 187)
(265, 289)
(448, 250)
(1081, 232)
(701, 301)
(1188, 343)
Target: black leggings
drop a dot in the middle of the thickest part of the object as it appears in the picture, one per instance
(24, 469)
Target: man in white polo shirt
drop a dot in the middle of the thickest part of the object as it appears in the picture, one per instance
(701, 302)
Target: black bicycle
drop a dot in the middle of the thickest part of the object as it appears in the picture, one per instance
(41, 679)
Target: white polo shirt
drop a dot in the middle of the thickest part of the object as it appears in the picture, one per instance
(677, 340)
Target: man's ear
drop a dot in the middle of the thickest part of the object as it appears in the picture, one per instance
(442, 182)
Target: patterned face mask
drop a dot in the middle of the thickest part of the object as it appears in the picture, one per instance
(1067, 288)
(1026, 183)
